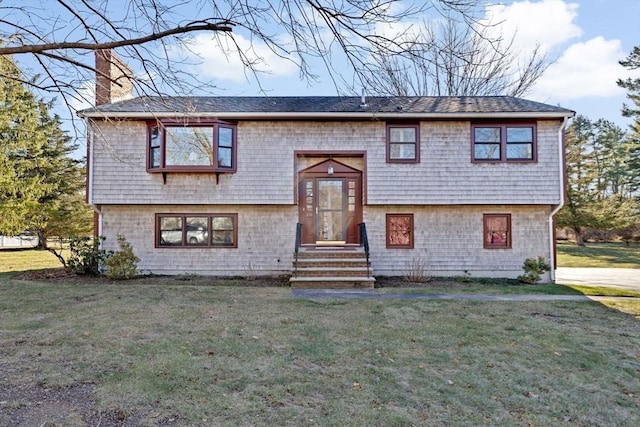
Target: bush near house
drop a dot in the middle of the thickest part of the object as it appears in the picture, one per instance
(123, 263)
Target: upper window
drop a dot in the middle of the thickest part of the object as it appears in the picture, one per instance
(403, 143)
(192, 146)
(400, 231)
(499, 143)
(197, 230)
(497, 231)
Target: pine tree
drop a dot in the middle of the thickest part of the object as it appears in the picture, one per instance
(632, 86)
(578, 212)
(599, 179)
(614, 150)
(633, 93)
(40, 184)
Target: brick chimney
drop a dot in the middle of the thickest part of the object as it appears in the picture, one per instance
(114, 78)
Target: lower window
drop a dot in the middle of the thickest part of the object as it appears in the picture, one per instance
(197, 230)
(400, 231)
(497, 231)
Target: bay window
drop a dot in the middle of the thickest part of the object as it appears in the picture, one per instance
(186, 146)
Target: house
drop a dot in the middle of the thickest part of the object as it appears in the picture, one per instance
(217, 185)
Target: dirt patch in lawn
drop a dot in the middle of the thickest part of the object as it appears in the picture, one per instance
(70, 406)
(35, 405)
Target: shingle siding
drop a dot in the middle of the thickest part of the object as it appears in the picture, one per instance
(448, 240)
(446, 175)
(266, 236)
(265, 171)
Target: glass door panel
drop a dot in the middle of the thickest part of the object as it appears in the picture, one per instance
(330, 219)
(330, 226)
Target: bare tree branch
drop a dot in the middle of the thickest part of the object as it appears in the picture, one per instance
(191, 27)
(156, 38)
(458, 60)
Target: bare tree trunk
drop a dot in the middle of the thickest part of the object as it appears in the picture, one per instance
(579, 236)
(43, 244)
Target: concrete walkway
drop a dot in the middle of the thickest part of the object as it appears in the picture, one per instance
(623, 278)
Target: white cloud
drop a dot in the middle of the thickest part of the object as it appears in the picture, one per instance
(220, 58)
(547, 23)
(582, 69)
(585, 69)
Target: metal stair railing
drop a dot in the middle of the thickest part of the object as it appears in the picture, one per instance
(364, 242)
(297, 247)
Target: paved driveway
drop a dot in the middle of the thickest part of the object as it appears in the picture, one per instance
(625, 278)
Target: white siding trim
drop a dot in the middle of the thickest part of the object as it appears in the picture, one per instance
(90, 140)
(555, 210)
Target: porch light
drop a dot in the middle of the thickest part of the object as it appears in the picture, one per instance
(330, 169)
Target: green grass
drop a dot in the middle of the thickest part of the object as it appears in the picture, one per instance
(602, 255)
(500, 287)
(604, 291)
(628, 306)
(202, 355)
(176, 350)
(12, 260)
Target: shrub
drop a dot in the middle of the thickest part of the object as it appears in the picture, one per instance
(86, 256)
(416, 271)
(123, 263)
(533, 269)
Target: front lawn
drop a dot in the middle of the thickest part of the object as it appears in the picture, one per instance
(12, 260)
(602, 255)
(137, 354)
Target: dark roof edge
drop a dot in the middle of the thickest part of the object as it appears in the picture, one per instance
(328, 107)
(323, 115)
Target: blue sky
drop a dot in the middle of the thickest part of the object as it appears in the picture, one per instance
(586, 37)
(617, 22)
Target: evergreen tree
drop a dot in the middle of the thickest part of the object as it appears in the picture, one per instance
(40, 184)
(613, 151)
(579, 210)
(633, 136)
(603, 168)
(633, 87)
(600, 178)
(633, 93)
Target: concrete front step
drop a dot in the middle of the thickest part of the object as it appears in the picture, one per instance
(322, 267)
(328, 265)
(331, 282)
(356, 252)
(361, 271)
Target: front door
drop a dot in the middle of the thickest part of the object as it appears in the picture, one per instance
(330, 208)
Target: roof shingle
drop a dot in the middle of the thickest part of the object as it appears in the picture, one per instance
(410, 105)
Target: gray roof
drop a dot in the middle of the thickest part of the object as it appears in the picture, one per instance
(335, 106)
